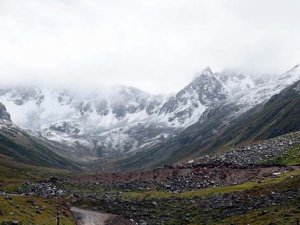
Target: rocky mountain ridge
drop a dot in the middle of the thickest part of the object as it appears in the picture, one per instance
(125, 119)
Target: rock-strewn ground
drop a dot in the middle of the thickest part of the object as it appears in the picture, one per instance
(253, 154)
(240, 165)
(255, 184)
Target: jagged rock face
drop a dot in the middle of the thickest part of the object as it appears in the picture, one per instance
(208, 88)
(204, 91)
(4, 115)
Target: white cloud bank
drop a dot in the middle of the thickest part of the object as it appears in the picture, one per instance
(156, 45)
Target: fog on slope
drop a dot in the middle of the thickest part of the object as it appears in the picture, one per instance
(50, 104)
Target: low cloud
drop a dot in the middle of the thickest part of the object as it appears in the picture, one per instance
(154, 45)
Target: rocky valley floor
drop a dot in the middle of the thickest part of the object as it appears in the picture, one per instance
(254, 184)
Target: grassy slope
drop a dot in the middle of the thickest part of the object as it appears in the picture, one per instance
(12, 176)
(290, 158)
(43, 211)
(32, 152)
(280, 115)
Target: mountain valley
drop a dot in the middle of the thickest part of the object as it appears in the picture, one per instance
(223, 150)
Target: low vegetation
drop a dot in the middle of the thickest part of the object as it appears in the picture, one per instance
(33, 210)
(271, 200)
(211, 191)
(289, 158)
(27, 210)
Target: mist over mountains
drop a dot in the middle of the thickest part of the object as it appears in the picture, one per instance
(113, 122)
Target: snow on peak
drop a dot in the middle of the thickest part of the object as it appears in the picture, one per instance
(48, 106)
(264, 89)
(235, 83)
(205, 72)
(291, 75)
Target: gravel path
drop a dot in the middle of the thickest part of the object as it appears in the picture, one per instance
(88, 217)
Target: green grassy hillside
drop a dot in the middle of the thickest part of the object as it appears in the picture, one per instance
(20, 146)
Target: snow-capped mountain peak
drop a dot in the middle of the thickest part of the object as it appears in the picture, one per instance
(126, 118)
(188, 104)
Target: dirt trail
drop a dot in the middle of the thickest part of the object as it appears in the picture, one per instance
(88, 217)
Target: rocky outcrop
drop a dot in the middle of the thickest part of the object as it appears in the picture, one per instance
(4, 115)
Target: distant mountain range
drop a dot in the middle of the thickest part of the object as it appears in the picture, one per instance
(136, 129)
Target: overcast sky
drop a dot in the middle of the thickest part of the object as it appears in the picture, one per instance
(155, 45)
